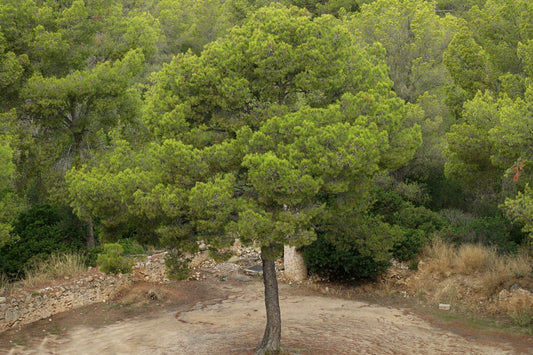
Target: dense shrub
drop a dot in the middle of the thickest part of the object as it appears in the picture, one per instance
(111, 260)
(493, 231)
(43, 230)
(409, 244)
(415, 223)
(220, 254)
(91, 255)
(131, 246)
(177, 265)
(325, 259)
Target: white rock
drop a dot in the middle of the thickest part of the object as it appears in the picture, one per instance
(445, 306)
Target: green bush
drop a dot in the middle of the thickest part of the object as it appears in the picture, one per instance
(91, 256)
(325, 259)
(407, 247)
(42, 230)
(496, 231)
(111, 260)
(177, 265)
(131, 246)
(220, 254)
(416, 224)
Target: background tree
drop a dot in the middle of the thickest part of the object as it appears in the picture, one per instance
(10, 203)
(414, 38)
(71, 111)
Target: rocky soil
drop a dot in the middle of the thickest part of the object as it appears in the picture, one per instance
(221, 311)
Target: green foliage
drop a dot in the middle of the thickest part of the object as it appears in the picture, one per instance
(467, 63)
(325, 259)
(494, 231)
(10, 204)
(177, 265)
(332, 7)
(520, 208)
(220, 254)
(91, 255)
(499, 26)
(414, 224)
(131, 246)
(41, 232)
(414, 38)
(111, 260)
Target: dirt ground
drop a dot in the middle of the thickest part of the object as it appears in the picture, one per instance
(216, 316)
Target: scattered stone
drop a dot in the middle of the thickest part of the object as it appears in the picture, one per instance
(234, 259)
(514, 287)
(445, 306)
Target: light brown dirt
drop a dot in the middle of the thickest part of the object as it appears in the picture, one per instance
(228, 317)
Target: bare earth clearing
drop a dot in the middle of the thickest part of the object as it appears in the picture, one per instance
(227, 317)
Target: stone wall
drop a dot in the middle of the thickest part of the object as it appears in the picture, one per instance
(23, 306)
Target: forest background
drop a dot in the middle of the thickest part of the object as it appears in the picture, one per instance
(356, 130)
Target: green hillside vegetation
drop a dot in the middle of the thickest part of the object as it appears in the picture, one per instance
(357, 131)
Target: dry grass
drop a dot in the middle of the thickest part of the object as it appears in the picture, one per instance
(474, 258)
(4, 283)
(58, 266)
(493, 271)
(448, 294)
(468, 259)
(520, 310)
(441, 257)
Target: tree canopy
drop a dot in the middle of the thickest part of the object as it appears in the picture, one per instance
(355, 131)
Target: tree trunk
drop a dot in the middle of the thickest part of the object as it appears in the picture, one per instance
(272, 337)
(90, 234)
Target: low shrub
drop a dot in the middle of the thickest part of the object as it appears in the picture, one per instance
(42, 230)
(409, 244)
(177, 265)
(91, 256)
(131, 246)
(111, 260)
(521, 311)
(496, 231)
(220, 254)
(414, 223)
(325, 259)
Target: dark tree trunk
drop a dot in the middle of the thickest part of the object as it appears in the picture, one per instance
(272, 337)
(90, 234)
